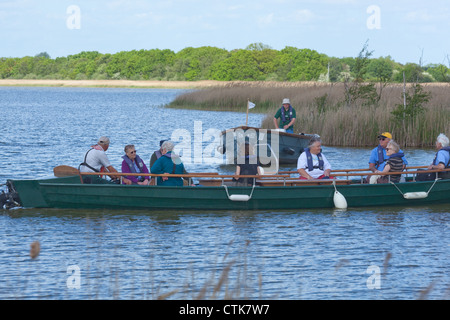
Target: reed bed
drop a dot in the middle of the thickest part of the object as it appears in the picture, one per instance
(321, 109)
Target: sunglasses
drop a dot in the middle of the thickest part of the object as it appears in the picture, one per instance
(133, 151)
(381, 139)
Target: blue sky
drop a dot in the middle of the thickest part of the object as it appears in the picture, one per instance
(404, 29)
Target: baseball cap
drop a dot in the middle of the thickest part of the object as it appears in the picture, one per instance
(385, 135)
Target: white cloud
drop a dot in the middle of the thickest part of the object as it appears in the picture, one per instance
(265, 20)
(302, 16)
(419, 16)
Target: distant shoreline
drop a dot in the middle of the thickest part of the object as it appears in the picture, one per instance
(168, 84)
(112, 83)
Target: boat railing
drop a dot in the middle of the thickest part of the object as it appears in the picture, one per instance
(282, 178)
(412, 170)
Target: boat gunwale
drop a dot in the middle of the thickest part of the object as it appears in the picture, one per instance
(271, 131)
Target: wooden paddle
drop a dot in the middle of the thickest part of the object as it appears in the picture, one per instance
(65, 171)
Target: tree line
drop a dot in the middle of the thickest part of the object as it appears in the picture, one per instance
(257, 62)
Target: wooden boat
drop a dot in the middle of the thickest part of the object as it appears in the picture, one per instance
(287, 146)
(213, 192)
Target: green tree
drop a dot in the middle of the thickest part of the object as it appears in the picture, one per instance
(195, 63)
(357, 90)
(240, 65)
(439, 72)
(413, 105)
(43, 55)
(302, 64)
(413, 73)
(380, 70)
(265, 57)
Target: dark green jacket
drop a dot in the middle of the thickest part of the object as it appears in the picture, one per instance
(165, 165)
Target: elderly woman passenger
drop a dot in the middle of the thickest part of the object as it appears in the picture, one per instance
(132, 163)
(168, 163)
(393, 164)
(312, 164)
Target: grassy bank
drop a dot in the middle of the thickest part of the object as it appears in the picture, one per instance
(111, 83)
(321, 109)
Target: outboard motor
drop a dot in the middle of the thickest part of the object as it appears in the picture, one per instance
(3, 198)
(9, 199)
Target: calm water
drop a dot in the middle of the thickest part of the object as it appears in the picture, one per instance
(103, 254)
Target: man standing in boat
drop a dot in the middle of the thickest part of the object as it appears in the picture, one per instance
(287, 116)
(96, 160)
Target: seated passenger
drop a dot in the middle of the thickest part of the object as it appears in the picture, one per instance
(378, 156)
(247, 164)
(96, 160)
(132, 163)
(168, 163)
(442, 157)
(312, 164)
(157, 154)
(393, 164)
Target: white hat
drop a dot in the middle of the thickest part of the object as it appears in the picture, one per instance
(286, 100)
(103, 140)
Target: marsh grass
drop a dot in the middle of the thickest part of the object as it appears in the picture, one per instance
(321, 109)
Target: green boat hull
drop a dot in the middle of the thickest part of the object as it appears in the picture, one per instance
(68, 192)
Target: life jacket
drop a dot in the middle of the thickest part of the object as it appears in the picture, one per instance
(158, 153)
(130, 164)
(381, 158)
(283, 114)
(447, 165)
(397, 155)
(309, 160)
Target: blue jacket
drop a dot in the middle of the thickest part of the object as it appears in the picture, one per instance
(378, 157)
(443, 156)
(165, 165)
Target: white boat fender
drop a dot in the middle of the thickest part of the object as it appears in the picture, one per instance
(239, 197)
(261, 170)
(339, 200)
(415, 195)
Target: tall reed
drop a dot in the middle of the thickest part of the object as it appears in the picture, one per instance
(321, 109)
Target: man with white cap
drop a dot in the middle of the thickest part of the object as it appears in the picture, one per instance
(96, 159)
(287, 116)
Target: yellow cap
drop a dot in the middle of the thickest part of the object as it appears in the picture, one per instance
(385, 135)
